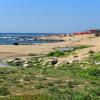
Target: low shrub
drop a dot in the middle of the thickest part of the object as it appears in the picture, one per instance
(39, 85)
(95, 72)
(97, 92)
(82, 47)
(91, 52)
(71, 84)
(55, 53)
(41, 96)
(4, 91)
(97, 34)
(54, 90)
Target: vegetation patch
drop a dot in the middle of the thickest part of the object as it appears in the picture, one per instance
(58, 53)
(4, 91)
(55, 53)
(82, 47)
(70, 81)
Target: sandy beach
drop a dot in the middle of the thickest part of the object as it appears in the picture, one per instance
(12, 51)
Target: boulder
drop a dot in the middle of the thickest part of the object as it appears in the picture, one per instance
(51, 62)
(25, 65)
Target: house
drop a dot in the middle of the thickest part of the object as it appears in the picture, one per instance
(95, 31)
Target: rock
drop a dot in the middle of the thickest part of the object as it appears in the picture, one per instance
(25, 65)
(15, 62)
(51, 62)
(54, 61)
(21, 80)
(16, 43)
(97, 63)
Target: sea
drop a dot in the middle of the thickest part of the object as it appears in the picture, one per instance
(23, 38)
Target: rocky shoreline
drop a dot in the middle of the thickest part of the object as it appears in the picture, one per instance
(28, 40)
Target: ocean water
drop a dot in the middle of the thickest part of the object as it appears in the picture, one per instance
(22, 38)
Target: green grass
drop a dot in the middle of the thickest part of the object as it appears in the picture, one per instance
(58, 53)
(55, 53)
(96, 57)
(82, 47)
(67, 82)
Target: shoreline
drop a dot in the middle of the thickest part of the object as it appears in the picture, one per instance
(23, 51)
(29, 39)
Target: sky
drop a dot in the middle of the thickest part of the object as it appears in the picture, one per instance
(49, 15)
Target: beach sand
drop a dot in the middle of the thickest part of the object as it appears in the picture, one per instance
(12, 51)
